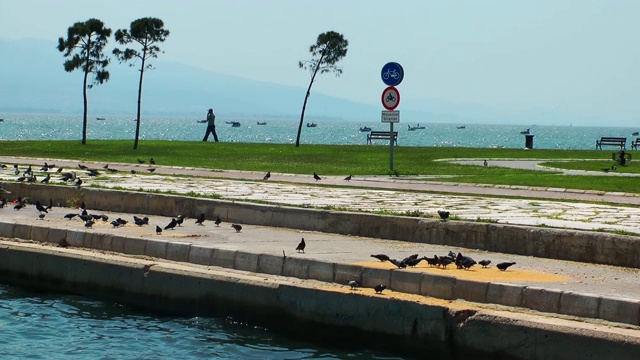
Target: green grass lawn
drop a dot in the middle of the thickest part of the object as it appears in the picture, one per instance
(340, 160)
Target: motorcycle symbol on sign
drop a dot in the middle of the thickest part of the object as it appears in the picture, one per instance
(390, 98)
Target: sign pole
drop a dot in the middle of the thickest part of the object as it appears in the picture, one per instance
(391, 146)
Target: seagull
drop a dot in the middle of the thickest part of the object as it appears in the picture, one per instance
(315, 176)
(301, 246)
(218, 221)
(267, 176)
(484, 263)
(379, 288)
(381, 257)
(172, 224)
(200, 220)
(444, 215)
(348, 178)
(237, 227)
(354, 284)
(158, 230)
(504, 265)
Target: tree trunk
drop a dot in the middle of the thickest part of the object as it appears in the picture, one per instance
(306, 98)
(84, 98)
(135, 143)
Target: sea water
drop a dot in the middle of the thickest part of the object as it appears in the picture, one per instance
(278, 131)
(39, 325)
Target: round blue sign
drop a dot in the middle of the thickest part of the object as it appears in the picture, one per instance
(392, 74)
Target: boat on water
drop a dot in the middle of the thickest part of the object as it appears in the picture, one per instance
(234, 123)
(413, 128)
(202, 121)
(312, 124)
(262, 123)
(365, 129)
(525, 132)
(461, 127)
(101, 118)
(1, 120)
(635, 133)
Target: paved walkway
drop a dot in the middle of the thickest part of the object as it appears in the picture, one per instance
(383, 194)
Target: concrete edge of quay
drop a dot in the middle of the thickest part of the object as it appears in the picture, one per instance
(561, 244)
(435, 327)
(445, 287)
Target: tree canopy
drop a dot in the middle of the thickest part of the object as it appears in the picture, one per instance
(329, 48)
(146, 32)
(84, 46)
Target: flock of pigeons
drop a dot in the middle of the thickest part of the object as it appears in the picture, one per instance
(460, 261)
(315, 176)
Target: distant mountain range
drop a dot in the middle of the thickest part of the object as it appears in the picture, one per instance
(33, 81)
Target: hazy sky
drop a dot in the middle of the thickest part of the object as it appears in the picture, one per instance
(576, 57)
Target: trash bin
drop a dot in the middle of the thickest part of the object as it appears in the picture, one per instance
(528, 141)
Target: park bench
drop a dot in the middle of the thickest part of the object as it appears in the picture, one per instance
(613, 141)
(382, 135)
(635, 143)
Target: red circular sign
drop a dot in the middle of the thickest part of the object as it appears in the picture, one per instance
(390, 98)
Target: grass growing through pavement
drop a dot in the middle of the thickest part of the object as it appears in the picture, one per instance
(337, 160)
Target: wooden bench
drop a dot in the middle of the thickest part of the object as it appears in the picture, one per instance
(613, 141)
(635, 143)
(382, 135)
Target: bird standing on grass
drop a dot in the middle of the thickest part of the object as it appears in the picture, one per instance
(301, 246)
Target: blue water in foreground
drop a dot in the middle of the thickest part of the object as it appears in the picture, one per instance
(37, 325)
(69, 127)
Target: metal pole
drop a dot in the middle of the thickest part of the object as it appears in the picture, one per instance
(391, 146)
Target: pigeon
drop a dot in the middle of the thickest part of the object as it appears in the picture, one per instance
(200, 220)
(83, 207)
(92, 172)
(461, 260)
(398, 263)
(158, 230)
(78, 182)
(180, 219)
(485, 163)
(46, 179)
(315, 176)
(504, 265)
(381, 257)
(410, 257)
(85, 217)
(89, 223)
(152, 162)
(172, 224)
(140, 161)
(151, 169)
(104, 217)
(354, 284)
(444, 215)
(484, 263)
(106, 167)
(379, 288)
(267, 176)
(82, 167)
(70, 216)
(301, 246)
(218, 221)
(348, 178)
(413, 262)
(50, 206)
(41, 216)
(237, 227)
(41, 208)
(140, 221)
(467, 263)
(444, 261)
(133, 172)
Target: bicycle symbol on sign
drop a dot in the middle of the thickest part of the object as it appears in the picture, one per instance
(391, 73)
(390, 98)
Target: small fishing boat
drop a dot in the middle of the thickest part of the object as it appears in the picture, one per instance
(365, 129)
(235, 124)
(525, 132)
(312, 124)
(635, 133)
(461, 127)
(417, 127)
(202, 121)
(101, 118)
(262, 123)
